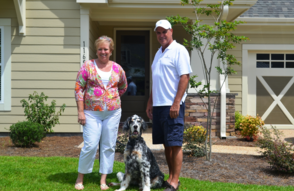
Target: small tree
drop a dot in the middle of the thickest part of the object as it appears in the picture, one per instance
(36, 110)
(216, 38)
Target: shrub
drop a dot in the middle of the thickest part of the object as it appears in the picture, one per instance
(277, 152)
(194, 138)
(121, 142)
(267, 139)
(280, 157)
(37, 111)
(26, 133)
(238, 119)
(250, 126)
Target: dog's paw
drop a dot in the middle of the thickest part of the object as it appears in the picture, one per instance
(146, 189)
(120, 176)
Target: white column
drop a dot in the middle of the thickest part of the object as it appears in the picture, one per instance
(84, 37)
(84, 34)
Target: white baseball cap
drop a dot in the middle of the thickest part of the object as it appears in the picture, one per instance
(163, 23)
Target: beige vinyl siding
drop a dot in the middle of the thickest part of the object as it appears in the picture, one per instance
(93, 37)
(46, 59)
(235, 81)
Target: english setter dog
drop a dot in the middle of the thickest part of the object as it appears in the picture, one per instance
(141, 167)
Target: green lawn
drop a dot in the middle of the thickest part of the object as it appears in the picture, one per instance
(59, 173)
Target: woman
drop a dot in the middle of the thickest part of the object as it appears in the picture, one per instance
(100, 83)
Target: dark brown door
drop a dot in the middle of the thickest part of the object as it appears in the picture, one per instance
(133, 54)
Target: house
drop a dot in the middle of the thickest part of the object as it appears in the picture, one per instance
(44, 43)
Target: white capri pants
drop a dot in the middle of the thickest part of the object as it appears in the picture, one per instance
(100, 126)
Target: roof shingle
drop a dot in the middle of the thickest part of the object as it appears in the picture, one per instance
(271, 8)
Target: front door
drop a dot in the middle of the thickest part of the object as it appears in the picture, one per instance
(133, 54)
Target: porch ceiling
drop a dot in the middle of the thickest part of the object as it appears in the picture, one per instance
(152, 10)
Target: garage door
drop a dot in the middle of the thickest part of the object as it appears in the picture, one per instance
(271, 88)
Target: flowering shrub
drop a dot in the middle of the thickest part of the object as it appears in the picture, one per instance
(121, 142)
(250, 126)
(278, 153)
(280, 157)
(194, 137)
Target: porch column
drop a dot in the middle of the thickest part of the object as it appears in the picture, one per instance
(84, 37)
(84, 34)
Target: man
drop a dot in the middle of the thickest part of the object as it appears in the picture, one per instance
(166, 106)
(132, 88)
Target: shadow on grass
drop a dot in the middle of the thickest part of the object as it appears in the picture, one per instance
(92, 178)
(70, 177)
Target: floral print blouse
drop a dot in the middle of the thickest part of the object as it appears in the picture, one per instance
(90, 89)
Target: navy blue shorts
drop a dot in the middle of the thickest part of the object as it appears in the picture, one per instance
(166, 130)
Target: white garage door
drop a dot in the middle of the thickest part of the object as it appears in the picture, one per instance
(271, 88)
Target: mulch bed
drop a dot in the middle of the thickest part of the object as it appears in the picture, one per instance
(245, 169)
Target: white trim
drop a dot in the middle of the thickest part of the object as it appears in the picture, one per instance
(2, 63)
(20, 9)
(92, 1)
(239, 2)
(250, 72)
(266, 21)
(5, 103)
(84, 37)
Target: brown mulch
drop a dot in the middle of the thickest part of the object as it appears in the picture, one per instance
(235, 168)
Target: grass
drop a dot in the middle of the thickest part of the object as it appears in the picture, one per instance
(59, 173)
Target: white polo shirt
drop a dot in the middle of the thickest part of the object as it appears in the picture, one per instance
(167, 68)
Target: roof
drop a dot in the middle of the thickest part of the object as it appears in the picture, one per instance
(272, 9)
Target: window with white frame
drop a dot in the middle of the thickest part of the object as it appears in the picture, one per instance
(275, 60)
(5, 64)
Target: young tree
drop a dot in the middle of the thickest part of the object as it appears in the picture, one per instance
(217, 39)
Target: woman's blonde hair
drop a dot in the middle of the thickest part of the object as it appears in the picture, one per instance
(102, 39)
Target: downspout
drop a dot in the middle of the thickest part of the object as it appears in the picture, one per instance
(224, 89)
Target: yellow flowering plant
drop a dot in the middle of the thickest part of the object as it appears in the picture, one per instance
(250, 126)
(194, 138)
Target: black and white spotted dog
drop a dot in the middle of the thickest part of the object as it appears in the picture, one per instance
(141, 167)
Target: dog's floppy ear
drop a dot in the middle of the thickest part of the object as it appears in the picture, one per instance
(145, 126)
(126, 124)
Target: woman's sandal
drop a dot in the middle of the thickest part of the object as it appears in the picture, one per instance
(79, 186)
(104, 187)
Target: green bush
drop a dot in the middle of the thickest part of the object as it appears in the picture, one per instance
(250, 126)
(122, 140)
(238, 118)
(26, 133)
(278, 153)
(193, 139)
(37, 111)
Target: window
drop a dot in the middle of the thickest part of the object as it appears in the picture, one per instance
(5, 64)
(275, 60)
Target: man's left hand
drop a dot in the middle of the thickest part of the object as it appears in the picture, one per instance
(174, 111)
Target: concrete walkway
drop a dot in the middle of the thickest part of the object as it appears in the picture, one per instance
(147, 135)
(215, 148)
